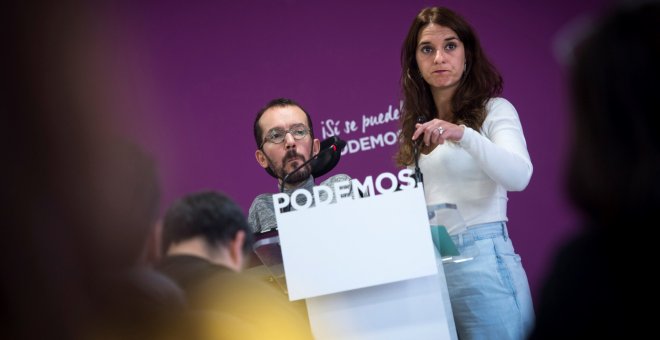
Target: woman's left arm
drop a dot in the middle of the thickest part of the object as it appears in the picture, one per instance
(501, 150)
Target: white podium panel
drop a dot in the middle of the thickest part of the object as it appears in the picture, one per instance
(416, 309)
(367, 268)
(356, 243)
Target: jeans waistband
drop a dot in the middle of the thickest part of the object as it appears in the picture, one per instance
(481, 232)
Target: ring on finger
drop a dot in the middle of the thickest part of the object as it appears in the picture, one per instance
(441, 130)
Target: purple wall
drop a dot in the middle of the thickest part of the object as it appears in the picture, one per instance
(208, 67)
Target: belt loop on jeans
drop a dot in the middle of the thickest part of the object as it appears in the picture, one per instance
(505, 233)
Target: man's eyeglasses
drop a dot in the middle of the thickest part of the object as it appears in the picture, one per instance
(277, 135)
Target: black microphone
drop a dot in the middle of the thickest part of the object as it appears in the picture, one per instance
(332, 147)
(325, 163)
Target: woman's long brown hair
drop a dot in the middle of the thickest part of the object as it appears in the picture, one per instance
(481, 80)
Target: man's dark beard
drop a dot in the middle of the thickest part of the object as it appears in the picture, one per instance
(297, 177)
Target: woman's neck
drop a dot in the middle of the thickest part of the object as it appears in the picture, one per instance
(442, 100)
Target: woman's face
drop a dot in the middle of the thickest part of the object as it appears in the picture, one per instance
(441, 57)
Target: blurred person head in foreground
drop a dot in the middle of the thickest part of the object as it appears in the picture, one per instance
(206, 242)
(612, 179)
(79, 202)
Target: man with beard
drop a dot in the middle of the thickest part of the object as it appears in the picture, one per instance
(285, 140)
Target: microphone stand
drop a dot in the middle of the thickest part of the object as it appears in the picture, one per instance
(419, 177)
(332, 147)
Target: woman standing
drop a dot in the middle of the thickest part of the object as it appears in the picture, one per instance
(472, 152)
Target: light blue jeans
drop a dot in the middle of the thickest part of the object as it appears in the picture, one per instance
(489, 295)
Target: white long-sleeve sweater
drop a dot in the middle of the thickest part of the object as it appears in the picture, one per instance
(476, 173)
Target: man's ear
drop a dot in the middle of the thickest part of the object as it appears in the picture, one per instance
(316, 146)
(261, 158)
(236, 250)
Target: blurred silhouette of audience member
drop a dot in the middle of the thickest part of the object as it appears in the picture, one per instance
(207, 240)
(204, 233)
(595, 286)
(135, 298)
(78, 202)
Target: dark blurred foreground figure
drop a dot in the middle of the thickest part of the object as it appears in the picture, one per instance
(595, 285)
(206, 244)
(78, 202)
(132, 300)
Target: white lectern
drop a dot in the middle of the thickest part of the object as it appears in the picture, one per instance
(367, 268)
